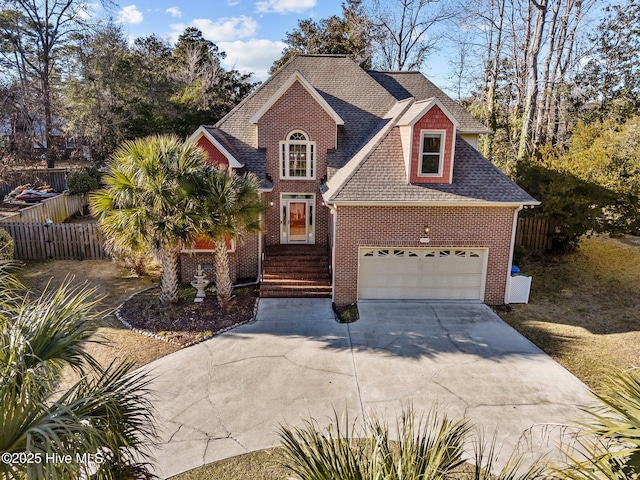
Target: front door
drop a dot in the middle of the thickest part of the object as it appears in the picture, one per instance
(297, 218)
(297, 221)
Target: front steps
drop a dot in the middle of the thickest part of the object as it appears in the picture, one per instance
(295, 271)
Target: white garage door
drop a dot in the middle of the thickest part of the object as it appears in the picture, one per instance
(422, 273)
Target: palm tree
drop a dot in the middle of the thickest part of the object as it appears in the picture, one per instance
(232, 207)
(149, 205)
(427, 448)
(102, 422)
(611, 448)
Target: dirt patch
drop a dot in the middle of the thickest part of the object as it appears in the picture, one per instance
(186, 322)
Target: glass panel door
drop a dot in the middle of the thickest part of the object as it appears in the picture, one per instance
(297, 221)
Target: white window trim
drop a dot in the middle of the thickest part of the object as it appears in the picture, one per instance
(443, 141)
(284, 160)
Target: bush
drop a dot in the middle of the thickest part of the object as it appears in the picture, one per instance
(428, 448)
(84, 181)
(6, 245)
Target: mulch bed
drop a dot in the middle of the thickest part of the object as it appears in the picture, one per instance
(186, 322)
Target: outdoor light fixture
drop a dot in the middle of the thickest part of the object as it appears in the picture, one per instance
(271, 204)
(426, 229)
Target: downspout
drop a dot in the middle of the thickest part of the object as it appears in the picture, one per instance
(513, 244)
(334, 210)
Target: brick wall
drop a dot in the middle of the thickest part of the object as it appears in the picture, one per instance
(488, 227)
(295, 110)
(243, 263)
(434, 119)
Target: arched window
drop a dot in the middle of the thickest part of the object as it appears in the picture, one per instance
(297, 156)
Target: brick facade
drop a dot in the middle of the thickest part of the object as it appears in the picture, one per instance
(434, 119)
(243, 263)
(358, 226)
(296, 109)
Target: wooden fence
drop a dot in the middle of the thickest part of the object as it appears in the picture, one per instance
(534, 234)
(56, 177)
(57, 209)
(60, 241)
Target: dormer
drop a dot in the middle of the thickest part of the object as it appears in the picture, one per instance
(428, 133)
(287, 92)
(216, 153)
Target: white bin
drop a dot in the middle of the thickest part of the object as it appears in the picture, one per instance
(519, 288)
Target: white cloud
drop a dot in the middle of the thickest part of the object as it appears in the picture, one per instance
(88, 10)
(232, 3)
(131, 15)
(252, 56)
(174, 12)
(177, 29)
(228, 28)
(284, 6)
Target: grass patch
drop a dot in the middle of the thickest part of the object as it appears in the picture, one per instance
(260, 465)
(583, 308)
(116, 285)
(348, 313)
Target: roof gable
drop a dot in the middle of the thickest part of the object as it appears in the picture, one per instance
(297, 77)
(203, 132)
(419, 110)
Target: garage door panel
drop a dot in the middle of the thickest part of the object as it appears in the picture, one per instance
(422, 273)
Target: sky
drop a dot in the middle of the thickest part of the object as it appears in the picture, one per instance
(249, 31)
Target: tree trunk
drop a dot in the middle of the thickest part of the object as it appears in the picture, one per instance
(169, 282)
(48, 124)
(552, 49)
(223, 277)
(493, 79)
(532, 80)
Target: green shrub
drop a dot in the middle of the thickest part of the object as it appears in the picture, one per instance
(428, 448)
(6, 245)
(84, 181)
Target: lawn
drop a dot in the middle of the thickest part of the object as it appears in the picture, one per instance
(584, 308)
(117, 285)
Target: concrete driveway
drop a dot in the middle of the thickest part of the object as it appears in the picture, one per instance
(227, 396)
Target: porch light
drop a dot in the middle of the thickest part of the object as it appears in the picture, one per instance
(426, 229)
(271, 204)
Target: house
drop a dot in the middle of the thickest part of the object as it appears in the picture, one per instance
(375, 185)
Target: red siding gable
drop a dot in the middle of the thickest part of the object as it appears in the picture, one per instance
(434, 119)
(215, 156)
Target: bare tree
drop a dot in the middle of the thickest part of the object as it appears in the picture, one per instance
(405, 30)
(34, 32)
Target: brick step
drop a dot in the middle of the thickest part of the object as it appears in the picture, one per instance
(295, 261)
(294, 288)
(311, 282)
(296, 285)
(295, 250)
(303, 276)
(289, 294)
(284, 271)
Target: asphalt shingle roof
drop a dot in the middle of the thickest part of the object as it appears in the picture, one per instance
(382, 178)
(359, 100)
(368, 164)
(403, 85)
